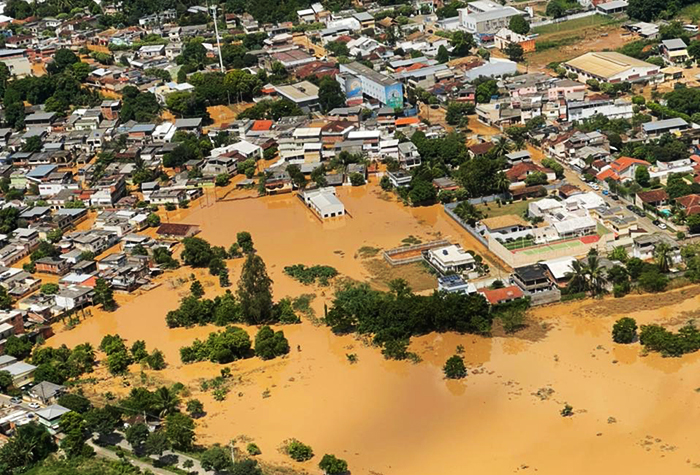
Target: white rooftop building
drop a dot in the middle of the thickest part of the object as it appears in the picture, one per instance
(324, 202)
(451, 258)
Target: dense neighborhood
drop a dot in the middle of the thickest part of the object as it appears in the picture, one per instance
(577, 176)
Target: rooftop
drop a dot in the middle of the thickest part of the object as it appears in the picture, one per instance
(607, 64)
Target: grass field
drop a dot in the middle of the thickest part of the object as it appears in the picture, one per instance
(575, 25)
(691, 12)
(492, 210)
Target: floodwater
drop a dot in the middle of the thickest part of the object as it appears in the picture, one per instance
(633, 413)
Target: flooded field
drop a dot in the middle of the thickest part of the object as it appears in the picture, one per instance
(633, 413)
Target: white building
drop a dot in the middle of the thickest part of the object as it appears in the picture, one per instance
(451, 258)
(612, 67)
(324, 202)
(488, 21)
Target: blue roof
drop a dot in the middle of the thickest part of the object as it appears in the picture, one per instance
(41, 171)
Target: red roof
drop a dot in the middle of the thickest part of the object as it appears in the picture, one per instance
(497, 296)
(623, 163)
(406, 121)
(653, 196)
(261, 125)
(521, 170)
(689, 201)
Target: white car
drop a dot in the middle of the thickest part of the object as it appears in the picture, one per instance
(595, 186)
(34, 405)
(662, 226)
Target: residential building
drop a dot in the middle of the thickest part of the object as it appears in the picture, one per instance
(451, 259)
(357, 80)
(612, 67)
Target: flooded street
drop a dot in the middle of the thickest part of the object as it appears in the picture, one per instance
(633, 413)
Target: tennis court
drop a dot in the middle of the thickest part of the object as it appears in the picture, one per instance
(548, 248)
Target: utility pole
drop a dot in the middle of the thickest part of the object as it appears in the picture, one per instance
(218, 39)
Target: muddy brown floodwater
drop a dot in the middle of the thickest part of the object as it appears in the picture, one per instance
(633, 413)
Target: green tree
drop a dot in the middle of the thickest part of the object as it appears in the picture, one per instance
(462, 43)
(136, 435)
(332, 465)
(195, 407)
(330, 94)
(166, 401)
(216, 458)
(196, 289)
(118, 362)
(663, 256)
(197, 252)
(30, 444)
(6, 380)
(245, 242)
(179, 429)
(104, 295)
(624, 330)
(270, 344)
(157, 443)
(443, 55)
(18, 346)
(255, 291)
(138, 350)
(298, 451)
(641, 176)
(514, 52)
(454, 368)
(156, 360)
(153, 220)
(518, 24)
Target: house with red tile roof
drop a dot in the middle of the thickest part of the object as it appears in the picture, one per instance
(622, 169)
(504, 295)
(690, 204)
(519, 172)
(653, 198)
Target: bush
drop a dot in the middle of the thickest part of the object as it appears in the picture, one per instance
(332, 465)
(657, 338)
(568, 411)
(309, 275)
(298, 451)
(220, 347)
(270, 344)
(253, 449)
(653, 281)
(624, 330)
(454, 368)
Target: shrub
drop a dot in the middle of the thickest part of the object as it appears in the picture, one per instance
(298, 451)
(454, 368)
(270, 344)
(624, 330)
(253, 449)
(332, 465)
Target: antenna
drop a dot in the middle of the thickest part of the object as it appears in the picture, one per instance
(218, 39)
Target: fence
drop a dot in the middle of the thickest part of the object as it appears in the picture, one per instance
(449, 209)
(563, 19)
(408, 254)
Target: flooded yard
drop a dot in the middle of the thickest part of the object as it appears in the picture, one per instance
(632, 413)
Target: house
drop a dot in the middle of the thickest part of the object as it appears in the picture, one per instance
(533, 278)
(651, 199)
(657, 128)
(518, 173)
(645, 245)
(52, 265)
(304, 94)
(503, 295)
(674, 51)
(177, 230)
(612, 67)
(323, 202)
(46, 392)
(505, 37)
(690, 204)
(50, 417)
(73, 297)
(487, 21)
(399, 178)
(560, 269)
(455, 284)
(621, 169)
(189, 125)
(611, 7)
(451, 259)
(408, 155)
(22, 373)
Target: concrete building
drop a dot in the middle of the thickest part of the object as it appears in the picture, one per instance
(357, 80)
(304, 94)
(487, 22)
(666, 126)
(612, 67)
(451, 259)
(324, 202)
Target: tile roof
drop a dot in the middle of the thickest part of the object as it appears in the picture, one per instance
(652, 196)
(495, 296)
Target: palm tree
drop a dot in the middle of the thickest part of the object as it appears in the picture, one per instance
(596, 275)
(502, 183)
(469, 213)
(662, 254)
(501, 148)
(166, 401)
(578, 280)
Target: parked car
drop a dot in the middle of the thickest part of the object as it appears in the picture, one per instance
(631, 207)
(34, 405)
(656, 222)
(639, 212)
(595, 186)
(606, 192)
(16, 400)
(662, 226)
(615, 197)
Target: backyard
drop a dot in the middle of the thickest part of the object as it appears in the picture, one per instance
(492, 210)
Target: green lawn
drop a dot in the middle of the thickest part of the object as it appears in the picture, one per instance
(517, 208)
(577, 24)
